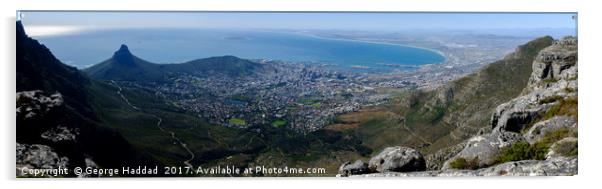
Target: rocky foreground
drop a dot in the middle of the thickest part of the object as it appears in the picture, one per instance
(534, 134)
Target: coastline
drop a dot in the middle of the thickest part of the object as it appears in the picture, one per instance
(440, 53)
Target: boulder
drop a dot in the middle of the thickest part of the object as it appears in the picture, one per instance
(540, 129)
(37, 156)
(356, 168)
(485, 148)
(561, 148)
(398, 159)
(60, 134)
(436, 160)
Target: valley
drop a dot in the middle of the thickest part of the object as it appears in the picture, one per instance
(226, 110)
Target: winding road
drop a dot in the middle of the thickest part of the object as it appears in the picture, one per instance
(159, 121)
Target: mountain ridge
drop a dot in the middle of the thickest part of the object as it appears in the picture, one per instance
(124, 66)
(56, 115)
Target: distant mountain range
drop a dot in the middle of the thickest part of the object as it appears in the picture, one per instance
(124, 66)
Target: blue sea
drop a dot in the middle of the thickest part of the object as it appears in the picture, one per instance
(84, 49)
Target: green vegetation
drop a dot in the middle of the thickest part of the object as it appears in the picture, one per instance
(307, 101)
(461, 163)
(279, 123)
(557, 135)
(316, 105)
(550, 80)
(525, 151)
(241, 97)
(237, 121)
(569, 90)
(566, 107)
(568, 149)
(469, 100)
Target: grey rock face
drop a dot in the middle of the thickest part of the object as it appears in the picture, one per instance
(540, 129)
(513, 116)
(554, 153)
(553, 81)
(399, 159)
(38, 156)
(59, 134)
(561, 166)
(33, 103)
(436, 160)
(356, 168)
(557, 62)
(485, 147)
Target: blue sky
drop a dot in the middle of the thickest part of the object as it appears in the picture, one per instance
(357, 21)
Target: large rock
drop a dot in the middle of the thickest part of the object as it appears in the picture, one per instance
(36, 103)
(356, 168)
(557, 62)
(485, 148)
(399, 159)
(561, 166)
(60, 134)
(540, 129)
(436, 160)
(37, 156)
(515, 115)
(558, 149)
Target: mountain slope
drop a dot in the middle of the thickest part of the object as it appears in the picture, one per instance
(54, 113)
(124, 66)
(440, 118)
(460, 108)
(533, 134)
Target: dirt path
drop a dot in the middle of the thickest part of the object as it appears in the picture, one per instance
(159, 121)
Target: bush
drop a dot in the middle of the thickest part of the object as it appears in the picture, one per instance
(523, 151)
(556, 135)
(566, 107)
(461, 163)
(567, 149)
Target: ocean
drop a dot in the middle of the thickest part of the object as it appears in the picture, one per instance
(84, 49)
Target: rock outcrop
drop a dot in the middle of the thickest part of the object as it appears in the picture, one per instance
(485, 148)
(544, 115)
(357, 168)
(400, 159)
(561, 166)
(38, 156)
(539, 130)
(535, 113)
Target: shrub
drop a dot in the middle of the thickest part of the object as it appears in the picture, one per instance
(556, 135)
(566, 107)
(462, 163)
(567, 149)
(523, 151)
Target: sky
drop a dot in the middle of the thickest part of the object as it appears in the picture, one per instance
(47, 23)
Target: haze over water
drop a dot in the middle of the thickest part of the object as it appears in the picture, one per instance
(179, 45)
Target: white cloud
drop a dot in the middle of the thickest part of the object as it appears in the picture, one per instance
(37, 31)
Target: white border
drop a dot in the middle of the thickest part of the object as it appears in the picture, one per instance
(589, 42)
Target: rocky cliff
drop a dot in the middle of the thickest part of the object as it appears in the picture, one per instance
(532, 134)
(57, 125)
